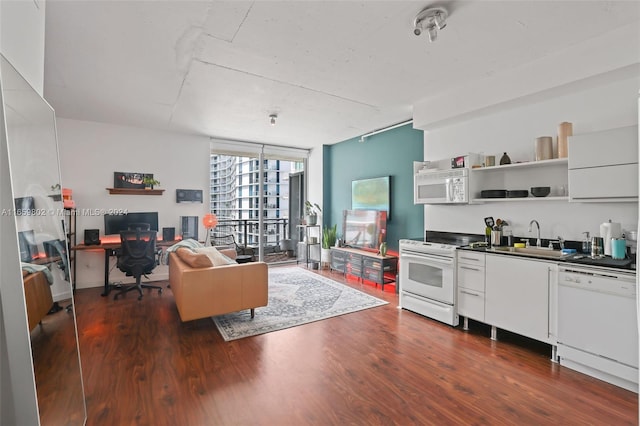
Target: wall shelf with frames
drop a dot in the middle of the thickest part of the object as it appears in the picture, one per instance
(133, 191)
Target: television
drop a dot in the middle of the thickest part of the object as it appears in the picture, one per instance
(365, 229)
(372, 194)
(114, 223)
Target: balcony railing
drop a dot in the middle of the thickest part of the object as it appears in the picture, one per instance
(245, 232)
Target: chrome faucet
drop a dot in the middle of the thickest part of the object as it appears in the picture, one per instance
(538, 241)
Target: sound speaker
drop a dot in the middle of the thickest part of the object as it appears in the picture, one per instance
(189, 227)
(168, 234)
(91, 237)
(188, 195)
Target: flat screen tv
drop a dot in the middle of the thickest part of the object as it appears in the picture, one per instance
(372, 194)
(114, 223)
(365, 229)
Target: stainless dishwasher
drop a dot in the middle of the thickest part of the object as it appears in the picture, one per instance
(597, 324)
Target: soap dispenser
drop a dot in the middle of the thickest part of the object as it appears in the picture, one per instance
(586, 243)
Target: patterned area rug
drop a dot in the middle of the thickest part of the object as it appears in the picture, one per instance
(296, 297)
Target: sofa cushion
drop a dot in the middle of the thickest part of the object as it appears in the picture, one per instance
(193, 259)
(217, 258)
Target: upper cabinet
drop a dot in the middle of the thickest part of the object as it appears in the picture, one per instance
(603, 166)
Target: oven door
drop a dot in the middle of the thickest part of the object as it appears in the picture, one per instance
(429, 276)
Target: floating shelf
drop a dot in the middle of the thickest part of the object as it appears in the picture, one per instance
(527, 199)
(133, 191)
(528, 164)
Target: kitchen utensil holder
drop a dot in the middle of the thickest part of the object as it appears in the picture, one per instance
(496, 238)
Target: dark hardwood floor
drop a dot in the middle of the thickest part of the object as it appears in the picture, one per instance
(380, 366)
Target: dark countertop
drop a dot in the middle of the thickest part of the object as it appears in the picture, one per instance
(628, 265)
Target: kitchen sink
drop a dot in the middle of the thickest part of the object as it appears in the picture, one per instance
(531, 251)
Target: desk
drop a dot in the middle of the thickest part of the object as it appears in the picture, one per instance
(110, 249)
(46, 260)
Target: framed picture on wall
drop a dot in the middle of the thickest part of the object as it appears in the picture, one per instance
(372, 194)
(130, 179)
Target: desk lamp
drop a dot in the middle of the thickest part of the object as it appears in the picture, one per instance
(209, 221)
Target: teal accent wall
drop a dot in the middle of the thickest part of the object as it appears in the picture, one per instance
(389, 153)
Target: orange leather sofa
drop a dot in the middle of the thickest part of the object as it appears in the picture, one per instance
(216, 290)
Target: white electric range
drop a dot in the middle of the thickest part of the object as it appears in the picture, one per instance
(427, 279)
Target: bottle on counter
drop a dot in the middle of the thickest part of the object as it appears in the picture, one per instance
(586, 243)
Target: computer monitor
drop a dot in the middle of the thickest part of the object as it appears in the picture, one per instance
(114, 223)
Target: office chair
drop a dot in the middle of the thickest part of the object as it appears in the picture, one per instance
(141, 226)
(137, 257)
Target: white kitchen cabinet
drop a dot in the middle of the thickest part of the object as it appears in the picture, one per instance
(470, 285)
(603, 166)
(520, 296)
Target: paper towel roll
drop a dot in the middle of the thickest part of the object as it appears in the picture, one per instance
(609, 230)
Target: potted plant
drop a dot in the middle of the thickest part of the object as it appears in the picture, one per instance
(329, 235)
(312, 211)
(149, 182)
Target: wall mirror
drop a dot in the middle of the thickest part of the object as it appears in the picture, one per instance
(41, 223)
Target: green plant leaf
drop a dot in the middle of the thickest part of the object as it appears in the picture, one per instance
(329, 236)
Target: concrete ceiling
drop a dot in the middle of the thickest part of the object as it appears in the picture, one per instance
(331, 70)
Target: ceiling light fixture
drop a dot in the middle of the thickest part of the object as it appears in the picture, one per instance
(430, 19)
(272, 119)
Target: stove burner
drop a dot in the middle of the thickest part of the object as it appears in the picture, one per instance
(455, 239)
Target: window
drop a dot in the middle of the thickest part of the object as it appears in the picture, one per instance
(235, 195)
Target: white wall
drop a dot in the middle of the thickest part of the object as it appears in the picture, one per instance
(609, 103)
(22, 38)
(89, 154)
(314, 177)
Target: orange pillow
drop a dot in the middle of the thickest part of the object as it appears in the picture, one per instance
(194, 260)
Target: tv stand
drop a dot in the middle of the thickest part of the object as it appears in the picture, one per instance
(364, 265)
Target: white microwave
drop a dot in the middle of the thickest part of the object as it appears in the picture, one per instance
(441, 186)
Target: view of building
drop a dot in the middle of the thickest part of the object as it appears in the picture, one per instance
(234, 194)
